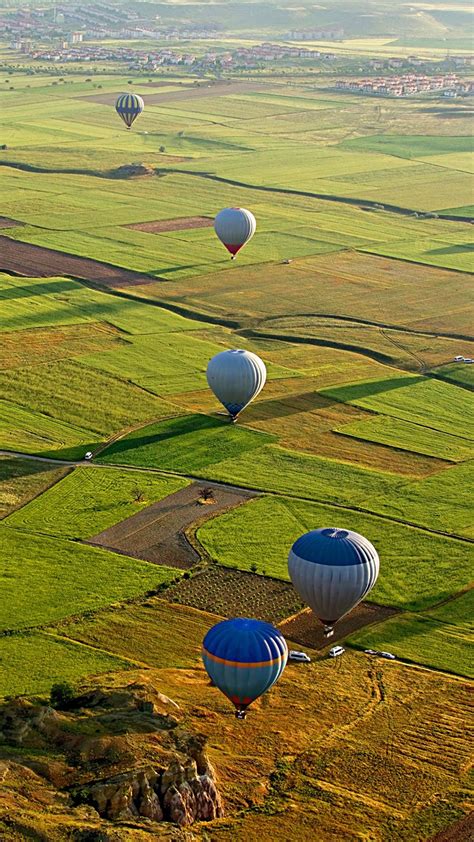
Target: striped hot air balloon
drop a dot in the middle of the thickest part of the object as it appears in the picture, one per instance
(234, 227)
(129, 107)
(244, 658)
(333, 570)
(236, 378)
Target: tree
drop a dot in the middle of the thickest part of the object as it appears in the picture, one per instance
(253, 567)
(62, 695)
(137, 494)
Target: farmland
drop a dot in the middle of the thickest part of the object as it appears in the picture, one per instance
(356, 292)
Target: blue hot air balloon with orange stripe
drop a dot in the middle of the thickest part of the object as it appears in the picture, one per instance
(244, 658)
(129, 107)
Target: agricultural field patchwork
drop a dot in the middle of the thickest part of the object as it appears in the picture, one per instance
(418, 568)
(356, 292)
(59, 574)
(88, 501)
(441, 638)
(21, 480)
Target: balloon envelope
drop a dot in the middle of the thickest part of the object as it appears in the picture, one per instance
(128, 107)
(234, 227)
(244, 658)
(236, 378)
(332, 570)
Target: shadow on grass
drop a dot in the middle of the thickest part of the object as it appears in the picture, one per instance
(364, 390)
(460, 248)
(291, 405)
(177, 427)
(15, 467)
(41, 288)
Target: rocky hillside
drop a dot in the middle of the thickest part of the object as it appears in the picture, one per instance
(115, 764)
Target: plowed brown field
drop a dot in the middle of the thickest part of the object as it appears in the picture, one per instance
(157, 533)
(304, 628)
(39, 262)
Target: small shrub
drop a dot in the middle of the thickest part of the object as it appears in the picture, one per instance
(61, 695)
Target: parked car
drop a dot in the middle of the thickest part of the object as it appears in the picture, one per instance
(387, 655)
(371, 652)
(302, 657)
(335, 651)
(88, 455)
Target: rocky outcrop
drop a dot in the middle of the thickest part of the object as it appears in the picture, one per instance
(128, 796)
(121, 753)
(189, 795)
(181, 794)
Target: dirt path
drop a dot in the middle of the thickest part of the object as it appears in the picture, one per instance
(157, 533)
(40, 262)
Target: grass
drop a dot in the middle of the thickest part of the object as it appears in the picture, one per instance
(22, 479)
(19, 347)
(346, 283)
(98, 403)
(441, 640)
(410, 146)
(457, 373)
(90, 500)
(36, 661)
(274, 468)
(59, 573)
(417, 569)
(188, 444)
(418, 400)
(439, 502)
(146, 633)
(34, 432)
(407, 436)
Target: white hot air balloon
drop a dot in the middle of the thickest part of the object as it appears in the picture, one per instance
(234, 227)
(333, 570)
(236, 378)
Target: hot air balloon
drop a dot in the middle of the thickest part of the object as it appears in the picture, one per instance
(244, 658)
(234, 227)
(236, 378)
(129, 107)
(332, 570)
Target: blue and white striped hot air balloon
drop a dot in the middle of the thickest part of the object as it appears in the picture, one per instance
(244, 658)
(236, 378)
(129, 107)
(333, 570)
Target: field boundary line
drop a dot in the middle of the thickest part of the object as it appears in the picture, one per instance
(193, 477)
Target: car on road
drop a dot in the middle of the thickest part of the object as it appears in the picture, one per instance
(336, 651)
(380, 654)
(302, 657)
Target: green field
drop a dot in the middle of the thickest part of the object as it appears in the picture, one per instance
(88, 501)
(59, 574)
(189, 444)
(356, 291)
(441, 638)
(21, 480)
(429, 403)
(440, 501)
(408, 436)
(37, 661)
(417, 568)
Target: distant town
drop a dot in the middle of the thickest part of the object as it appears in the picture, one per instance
(68, 34)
